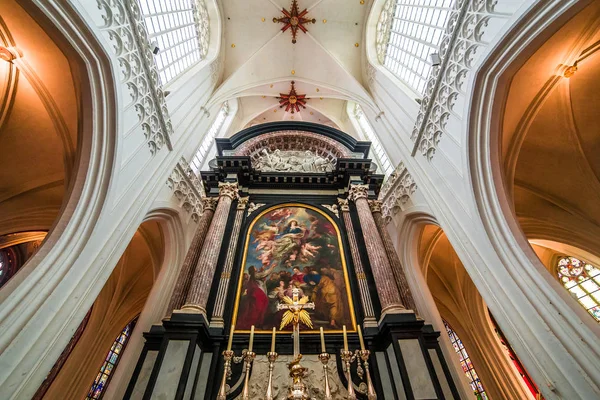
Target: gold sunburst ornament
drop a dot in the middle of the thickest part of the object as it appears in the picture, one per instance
(295, 312)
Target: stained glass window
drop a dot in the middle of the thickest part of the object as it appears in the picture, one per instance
(181, 32)
(8, 264)
(110, 362)
(207, 142)
(384, 162)
(465, 363)
(407, 33)
(517, 363)
(582, 279)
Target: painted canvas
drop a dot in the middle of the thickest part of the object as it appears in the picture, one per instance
(293, 246)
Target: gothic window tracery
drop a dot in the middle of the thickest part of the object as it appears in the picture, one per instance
(180, 29)
(110, 362)
(385, 164)
(465, 363)
(408, 31)
(209, 138)
(582, 280)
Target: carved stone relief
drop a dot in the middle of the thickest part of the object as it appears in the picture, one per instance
(292, 161)
(187, 188)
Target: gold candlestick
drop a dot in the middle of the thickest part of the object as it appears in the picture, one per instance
(324, 357)
(348, 357)
(248, 358)
(364, 355)
(272, 357)
(227, 356)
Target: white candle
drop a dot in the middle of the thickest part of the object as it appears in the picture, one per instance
(360, 337)
(251, 338)
(230, 337)
(273, 341)
(322, 341)
(345, 339)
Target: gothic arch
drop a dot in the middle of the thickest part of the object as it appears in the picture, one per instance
(568, 326)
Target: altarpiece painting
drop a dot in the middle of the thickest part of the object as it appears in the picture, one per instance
(293, 246)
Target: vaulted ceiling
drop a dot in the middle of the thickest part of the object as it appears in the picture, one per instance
(551, 137)
(260, 60)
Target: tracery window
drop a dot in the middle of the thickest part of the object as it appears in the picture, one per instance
(408, 31)
(582, 279)
(180, 29)
(382, 159)
(465, 363)
(110, 362)
(207, 142)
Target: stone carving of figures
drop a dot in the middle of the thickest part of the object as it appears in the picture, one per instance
(293, 161)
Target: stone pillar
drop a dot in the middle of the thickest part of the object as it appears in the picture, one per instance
(217, 317)
(389, 296)
(193, 255)
(397, 269)
(365, 296)
(197, 296)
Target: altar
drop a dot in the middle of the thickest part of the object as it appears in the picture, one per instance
(292, 288)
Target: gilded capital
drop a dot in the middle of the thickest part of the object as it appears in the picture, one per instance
(375, 206)
(209, 203)
(228, 189)
(242, 203)
(358, 192)
(343, 203)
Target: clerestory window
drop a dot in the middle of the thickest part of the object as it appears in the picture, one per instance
(386, 166)
(409, 31)
(180, 29)
(582, 279)
(209, 138)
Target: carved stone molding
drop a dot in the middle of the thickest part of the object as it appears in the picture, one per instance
(124, 24)
(358, 191)
(460, 46)
(396, 191)
(188, 189)
(229, 189)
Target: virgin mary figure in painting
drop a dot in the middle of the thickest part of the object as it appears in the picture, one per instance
(295, 247)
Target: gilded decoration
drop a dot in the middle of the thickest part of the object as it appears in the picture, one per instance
(293, 246)
(358, 191)
(228, 189)
(294, 20)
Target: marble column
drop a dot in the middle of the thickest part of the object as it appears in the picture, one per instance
(365, 296)
(389, 296)
(193, 255)
(217, 317)
(197, 296)
(397, 269)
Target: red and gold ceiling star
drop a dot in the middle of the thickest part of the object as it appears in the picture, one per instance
(292, 101)
(295, 20)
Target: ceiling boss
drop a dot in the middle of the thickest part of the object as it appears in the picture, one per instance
(295, 20)
(292, 101)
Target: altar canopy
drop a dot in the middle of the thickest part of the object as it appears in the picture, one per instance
(293, 246)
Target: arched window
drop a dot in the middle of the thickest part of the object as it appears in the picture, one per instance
(465, 363)
(384, 162)
(409, 31)
(181, 32)
(209, 138)
(582, 279)
(110, 362)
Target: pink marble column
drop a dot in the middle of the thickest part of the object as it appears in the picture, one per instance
(389, 296)
(397, 269)
(217, 315)
(365, 295)
(197, 296)
(193, 255)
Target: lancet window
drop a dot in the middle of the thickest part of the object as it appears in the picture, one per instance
(409, 31)
(582, 279)
(180, 30)
(209, 138)
(466, 364)
(110, 363)
(383, 160)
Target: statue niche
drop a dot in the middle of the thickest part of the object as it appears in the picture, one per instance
(293, 161)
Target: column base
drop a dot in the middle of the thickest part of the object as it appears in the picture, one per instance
(191, 309)
(217, 323)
